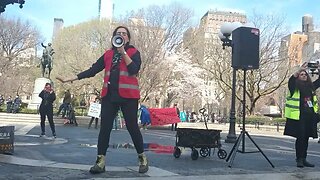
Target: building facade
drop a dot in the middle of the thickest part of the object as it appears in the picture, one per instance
(301, 46)
(291, 48)
(212, 20)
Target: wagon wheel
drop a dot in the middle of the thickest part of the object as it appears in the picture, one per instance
(194, 154)
(222, 154)
(177, 152)
(204, 152)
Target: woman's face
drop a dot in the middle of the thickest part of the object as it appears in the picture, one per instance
(123, 32)
(47, 88)
(303, 76)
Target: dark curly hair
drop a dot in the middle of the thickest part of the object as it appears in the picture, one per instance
(115, 33)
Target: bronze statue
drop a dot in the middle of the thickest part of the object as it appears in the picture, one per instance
(46, 59)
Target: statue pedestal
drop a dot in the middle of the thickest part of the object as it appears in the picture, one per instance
(38, 87)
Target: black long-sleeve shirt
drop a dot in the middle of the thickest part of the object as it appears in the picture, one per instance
(292, 84)
(47, 98)
(98, 66)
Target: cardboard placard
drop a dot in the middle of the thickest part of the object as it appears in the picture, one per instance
(94, 110)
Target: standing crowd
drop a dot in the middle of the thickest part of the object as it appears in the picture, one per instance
(12, 105)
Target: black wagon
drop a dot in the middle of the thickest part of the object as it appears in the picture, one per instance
(205, 139)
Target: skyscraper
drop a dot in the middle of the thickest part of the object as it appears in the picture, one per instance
(57, 26)
(105, 9)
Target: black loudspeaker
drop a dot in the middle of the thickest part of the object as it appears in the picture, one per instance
(245, 48)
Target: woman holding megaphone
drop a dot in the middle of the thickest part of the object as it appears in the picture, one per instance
(120, 91)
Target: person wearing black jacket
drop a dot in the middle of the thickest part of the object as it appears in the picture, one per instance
(65, 103)
(9, 104)
(48, 96)
(120, 91)
(174, 125)
(1, 100)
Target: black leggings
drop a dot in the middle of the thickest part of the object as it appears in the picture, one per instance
(301, 147)
(47, 111)
(305, 129)
(109, 111)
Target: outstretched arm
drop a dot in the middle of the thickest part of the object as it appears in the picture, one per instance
(92, 71)
(69, 79)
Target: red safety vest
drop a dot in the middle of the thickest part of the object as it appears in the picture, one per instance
(128, 84)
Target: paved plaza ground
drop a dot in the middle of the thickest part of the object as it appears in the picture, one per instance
(73, 152)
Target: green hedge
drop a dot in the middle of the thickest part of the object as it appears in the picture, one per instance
(3, 108)
(279, 120)
(262, 120)
(80, 112)
(255, 119)
(28, 111)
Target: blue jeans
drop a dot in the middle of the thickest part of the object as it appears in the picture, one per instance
(64, 107)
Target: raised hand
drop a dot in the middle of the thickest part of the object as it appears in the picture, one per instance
(304, 66)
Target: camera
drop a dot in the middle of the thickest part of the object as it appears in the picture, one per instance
(313, 66)
(117, 41)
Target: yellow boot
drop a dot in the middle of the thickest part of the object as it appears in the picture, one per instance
(99, 167)
(143, 163)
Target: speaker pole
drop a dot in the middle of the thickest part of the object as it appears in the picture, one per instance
(243, 133)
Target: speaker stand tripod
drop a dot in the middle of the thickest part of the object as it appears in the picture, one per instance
(243, 133)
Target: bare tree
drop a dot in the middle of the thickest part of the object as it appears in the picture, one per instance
(259, 83)
(157, 31)
(207, 54)
(17, 40)
(77, 48)
(267, 79)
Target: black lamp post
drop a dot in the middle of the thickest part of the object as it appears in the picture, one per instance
(225, 37)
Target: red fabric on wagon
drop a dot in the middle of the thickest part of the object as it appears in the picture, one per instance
(163, 116)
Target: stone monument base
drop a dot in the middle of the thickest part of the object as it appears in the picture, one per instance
(38, 87)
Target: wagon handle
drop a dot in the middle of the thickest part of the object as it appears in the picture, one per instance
(202, 111)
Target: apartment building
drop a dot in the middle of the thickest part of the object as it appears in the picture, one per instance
(212, 20)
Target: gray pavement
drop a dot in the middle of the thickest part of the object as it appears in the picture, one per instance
(74, 151)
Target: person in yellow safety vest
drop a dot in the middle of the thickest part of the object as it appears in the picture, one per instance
(301, 112)
(120, 91)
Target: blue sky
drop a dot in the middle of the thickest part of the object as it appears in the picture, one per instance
(42, 12)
